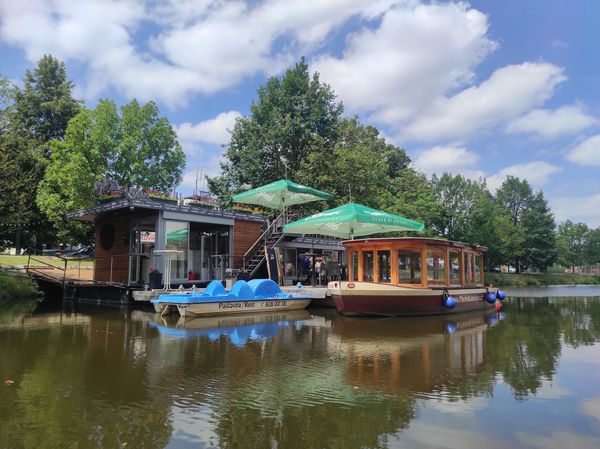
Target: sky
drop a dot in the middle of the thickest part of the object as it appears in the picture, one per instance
(482, 88)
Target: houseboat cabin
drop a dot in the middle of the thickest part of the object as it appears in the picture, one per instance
(411, 276)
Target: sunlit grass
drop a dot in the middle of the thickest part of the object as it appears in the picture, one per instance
(20, 261)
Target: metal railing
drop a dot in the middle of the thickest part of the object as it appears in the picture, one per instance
(275, 225)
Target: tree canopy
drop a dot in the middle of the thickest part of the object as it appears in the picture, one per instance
(130, 144)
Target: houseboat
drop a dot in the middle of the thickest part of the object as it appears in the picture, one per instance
(412, 276)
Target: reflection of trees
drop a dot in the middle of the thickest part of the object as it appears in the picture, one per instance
(525, 351)
(69, 391)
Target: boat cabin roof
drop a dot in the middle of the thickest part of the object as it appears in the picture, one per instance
(410, 242)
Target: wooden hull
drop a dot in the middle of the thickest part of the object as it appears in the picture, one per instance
(238, 307)
(387, 300)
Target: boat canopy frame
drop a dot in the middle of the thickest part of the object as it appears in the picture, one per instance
(450, 251)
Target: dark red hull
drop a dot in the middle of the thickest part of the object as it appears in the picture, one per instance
(403, 305)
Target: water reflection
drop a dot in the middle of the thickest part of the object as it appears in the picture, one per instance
(91, 377)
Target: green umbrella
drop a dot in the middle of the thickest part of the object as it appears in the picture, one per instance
(280, 194)
(351, 220)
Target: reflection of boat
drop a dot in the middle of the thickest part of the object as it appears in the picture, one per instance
(239, 329)
(412, 276)
(419, 354)
(258, 295)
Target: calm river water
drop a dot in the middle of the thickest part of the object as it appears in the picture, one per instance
(77, 376)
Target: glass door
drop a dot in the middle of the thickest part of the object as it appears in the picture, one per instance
(177, 238)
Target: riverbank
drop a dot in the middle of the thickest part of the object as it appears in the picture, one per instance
(535, 279)
(17, 287)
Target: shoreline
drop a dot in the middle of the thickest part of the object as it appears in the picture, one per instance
(17, 288)
(540, 279)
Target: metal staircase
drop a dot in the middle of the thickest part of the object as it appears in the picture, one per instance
(255, 256)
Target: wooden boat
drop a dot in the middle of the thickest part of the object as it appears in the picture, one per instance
(412, 276)
(258, 295)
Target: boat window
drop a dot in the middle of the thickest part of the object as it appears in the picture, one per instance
(435, 266)
(355, 265)
(477, 269)
(176, 238)
(469, 268)
(454, 268)
(367, 266)
(409, 267)
(384, 265)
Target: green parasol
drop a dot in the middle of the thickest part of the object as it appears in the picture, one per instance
(280, 194)
(351, 220)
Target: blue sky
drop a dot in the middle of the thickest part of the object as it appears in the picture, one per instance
(485, 88)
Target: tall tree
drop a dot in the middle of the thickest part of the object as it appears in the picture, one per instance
(292, 113)
(38, 113)
(573, 241)
(593, 247)
(356, 166)
(458, 198)
(45, 105)
(515, 197)
(132, 145)
(539, 246)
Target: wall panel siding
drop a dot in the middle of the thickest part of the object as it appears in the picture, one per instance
(245, 234)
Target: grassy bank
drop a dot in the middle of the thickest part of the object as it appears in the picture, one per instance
(527, 279)
(21, 261)
(17, 287)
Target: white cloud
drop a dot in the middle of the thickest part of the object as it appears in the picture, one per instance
(587, 152)
(578, 208)
(215, 130)
(536, 172)
(591, 407)
(418, 52)
(455, 160)
(551, 124)
(508, 93)
(200, 47)
(557, 440)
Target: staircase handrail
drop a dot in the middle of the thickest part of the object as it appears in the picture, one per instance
(277, 223)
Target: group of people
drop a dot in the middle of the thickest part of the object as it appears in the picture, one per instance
(320, 271)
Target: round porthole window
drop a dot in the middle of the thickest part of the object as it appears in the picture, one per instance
(107, 236)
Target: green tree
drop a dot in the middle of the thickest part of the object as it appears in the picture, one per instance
(45, 105)
(515, 197)
(355, 166)
(131, 145)
(38, 113)
(593, 246)
(458, 198)
(539, 246)
(291, 114)
(573, 242)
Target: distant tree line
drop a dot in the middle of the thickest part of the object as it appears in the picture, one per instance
(53, 149)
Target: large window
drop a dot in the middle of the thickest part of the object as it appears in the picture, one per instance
(176, 235)
(469, 268)
(367, 266)
(477, 269)
(454, 268)
(355, 265)
(384, 266)
(435, 266)
(409, 267)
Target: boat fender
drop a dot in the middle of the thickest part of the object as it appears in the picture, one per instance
(490, 298)
(500, 294)
(498, 306)
(451, 327)
(449, 301)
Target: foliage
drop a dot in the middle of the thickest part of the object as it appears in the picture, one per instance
(17, 287)
(538, 279)
(572, 238)
(593, 246)
(291, 114)
(539, 246)
(131, 145)
(30, 118)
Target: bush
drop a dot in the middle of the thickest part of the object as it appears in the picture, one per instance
(529, 279)
(17, 287)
